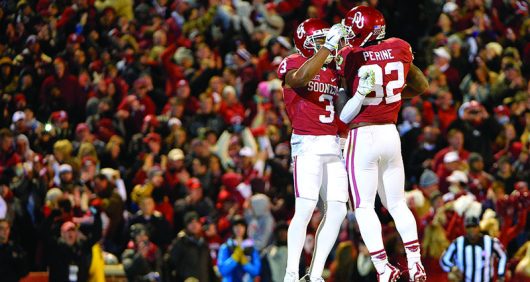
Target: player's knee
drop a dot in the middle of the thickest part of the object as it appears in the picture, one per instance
(397, 207)
(336, 209)
(304, 209)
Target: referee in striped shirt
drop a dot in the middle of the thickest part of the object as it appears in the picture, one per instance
(470, 257)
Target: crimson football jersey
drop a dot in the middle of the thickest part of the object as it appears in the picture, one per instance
(310, 108)
(390, 60)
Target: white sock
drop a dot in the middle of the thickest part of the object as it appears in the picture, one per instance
(412, 249)
(379, 259)
(370, 228)
(326, 236)
(297, 232)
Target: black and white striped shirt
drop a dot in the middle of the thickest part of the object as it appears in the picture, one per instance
(475, 261)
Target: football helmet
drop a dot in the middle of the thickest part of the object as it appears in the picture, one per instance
(363, 24)
(307, 35)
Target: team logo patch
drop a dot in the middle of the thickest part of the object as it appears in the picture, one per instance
(358, 20)
(317, 77)
(300, 32)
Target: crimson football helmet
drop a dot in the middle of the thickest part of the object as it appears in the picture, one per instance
(307, 34)
(363, 24)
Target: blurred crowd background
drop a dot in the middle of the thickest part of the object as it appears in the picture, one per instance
(153, 134)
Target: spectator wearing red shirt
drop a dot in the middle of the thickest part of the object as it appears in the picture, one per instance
(479, 180)
(183, 94)
(445, 110)
(62, 90)
(174, 71)
(456, 143)
(231, 109)
(451, 163)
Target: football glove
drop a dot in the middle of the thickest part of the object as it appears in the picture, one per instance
(366, 81)
(333, 36)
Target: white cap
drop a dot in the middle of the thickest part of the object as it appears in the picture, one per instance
(449, 7)
(18, 115)
(457, 176)
(174, 121)
(451, 157)
(284, 42)
(65, 168)
(176, 155)
(110, 173)
(246, 152)
(442, 52)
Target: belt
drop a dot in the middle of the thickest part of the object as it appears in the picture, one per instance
(361, 124)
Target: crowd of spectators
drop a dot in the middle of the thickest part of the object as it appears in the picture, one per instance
(153, 133)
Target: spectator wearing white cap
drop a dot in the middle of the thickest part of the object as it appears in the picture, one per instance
(176, 174)
(442, 61)
(18, 125)
(455, 138)
(451, 162)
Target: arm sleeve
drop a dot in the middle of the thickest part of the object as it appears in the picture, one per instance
(225, 262)
(222, 149)
(249, 140)
(498, 249)
(352, 108)
(446, 261)
(254, 265)
(290, 63)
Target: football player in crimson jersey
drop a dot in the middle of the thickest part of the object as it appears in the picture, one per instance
(373, 148)
(309, 90)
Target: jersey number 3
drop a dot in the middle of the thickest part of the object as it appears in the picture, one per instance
(329, 108)
(380, 92)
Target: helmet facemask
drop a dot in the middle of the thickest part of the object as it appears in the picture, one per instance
(316, 41)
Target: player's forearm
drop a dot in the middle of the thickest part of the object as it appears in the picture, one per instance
(352, 108)
(308, 70)
(417, 83)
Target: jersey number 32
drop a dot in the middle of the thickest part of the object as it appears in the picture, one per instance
(388, 93)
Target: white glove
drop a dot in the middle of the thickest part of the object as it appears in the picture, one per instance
(366, 81)
(333, 36)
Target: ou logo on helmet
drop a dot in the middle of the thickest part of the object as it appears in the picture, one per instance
(358, 20)
(300, 32)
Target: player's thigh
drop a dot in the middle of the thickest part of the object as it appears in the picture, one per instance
(307, 174)
(335, 180)
(391, 167)
(381, 189)
(361, 164)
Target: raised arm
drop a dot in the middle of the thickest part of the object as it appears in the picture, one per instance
(353, 106)
(302, 76)
(417, 83)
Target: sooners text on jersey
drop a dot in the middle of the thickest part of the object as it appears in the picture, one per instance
(390, 60)
(310, 108)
